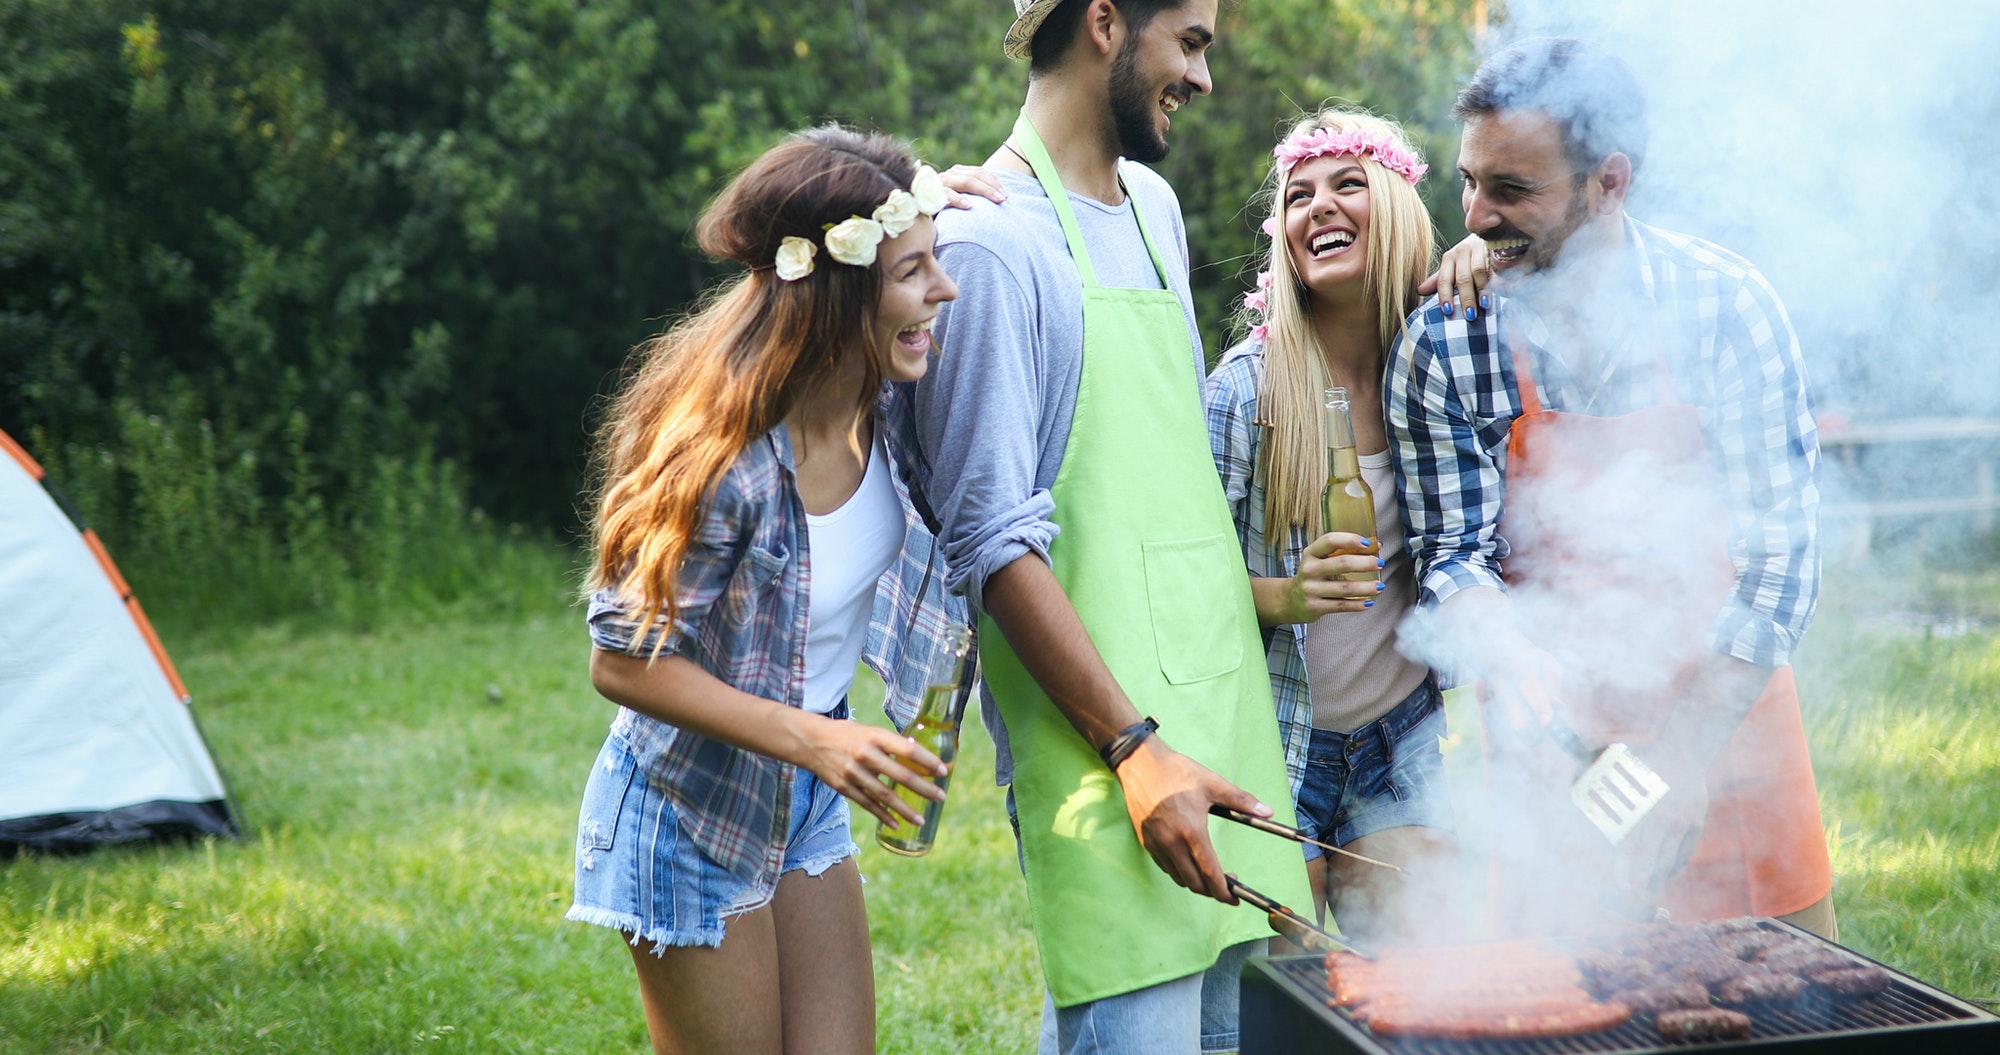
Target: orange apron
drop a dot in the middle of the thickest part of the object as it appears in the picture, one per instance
(1601, 599)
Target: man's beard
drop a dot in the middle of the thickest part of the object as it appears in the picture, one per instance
(1548, 248)
(1133, 109)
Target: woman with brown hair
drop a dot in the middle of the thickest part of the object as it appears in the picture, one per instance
(754, 537)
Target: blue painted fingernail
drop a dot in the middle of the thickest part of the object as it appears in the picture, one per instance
(1447, 307)
(1365, 543)
(1471, 314)
(1380, 563)
(1380, 586)
(1368, 604)
(1482, 301)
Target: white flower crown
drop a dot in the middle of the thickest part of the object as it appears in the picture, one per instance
(855, 239)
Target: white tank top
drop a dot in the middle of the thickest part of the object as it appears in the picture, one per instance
(1352, 664)
(850, 549)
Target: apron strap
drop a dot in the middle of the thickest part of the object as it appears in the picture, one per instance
(1045, 173)
(1524, 378)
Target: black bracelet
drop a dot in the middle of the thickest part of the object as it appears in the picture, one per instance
(1127, 741)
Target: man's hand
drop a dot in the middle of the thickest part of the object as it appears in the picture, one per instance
(1167, 795)
(1464, 272)
(1524, 686)
(1694, 734)
(1658, 848)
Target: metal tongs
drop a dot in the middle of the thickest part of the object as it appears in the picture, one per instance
(1294, 834)
(1295, 928)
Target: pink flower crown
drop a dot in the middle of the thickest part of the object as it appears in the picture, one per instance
(1322, 142)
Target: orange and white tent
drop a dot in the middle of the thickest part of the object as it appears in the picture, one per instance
(97, 741)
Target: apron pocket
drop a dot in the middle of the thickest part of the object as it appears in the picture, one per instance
(1189, 596)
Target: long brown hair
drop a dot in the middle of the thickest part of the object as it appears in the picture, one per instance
(728, 372)
(1401, 241)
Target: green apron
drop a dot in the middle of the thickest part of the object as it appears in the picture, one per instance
(1148, 555)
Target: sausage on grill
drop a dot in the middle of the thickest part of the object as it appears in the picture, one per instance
(1853, 981)
(1711, 1023)
(1460, 1024)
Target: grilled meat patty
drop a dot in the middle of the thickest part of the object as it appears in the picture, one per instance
(1853, 981)
(1711, 1023)
(1760, 989)
(1653, 1000)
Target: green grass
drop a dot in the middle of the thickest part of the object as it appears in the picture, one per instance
(409, 863)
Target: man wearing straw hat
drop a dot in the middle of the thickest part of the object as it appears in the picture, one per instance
(1081, 513)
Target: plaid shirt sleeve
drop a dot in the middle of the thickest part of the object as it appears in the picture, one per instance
(722, 541)
(1768, 448)
(1450, 401)
(1229, 400)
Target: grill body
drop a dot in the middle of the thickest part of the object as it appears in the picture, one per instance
(1284, 1012)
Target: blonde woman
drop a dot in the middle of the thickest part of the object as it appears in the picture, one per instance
(1349, 243)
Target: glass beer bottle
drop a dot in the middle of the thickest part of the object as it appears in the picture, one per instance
(936, 728)
(1347, 504)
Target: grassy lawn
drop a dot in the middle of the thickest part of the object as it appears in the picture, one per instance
(413, 798)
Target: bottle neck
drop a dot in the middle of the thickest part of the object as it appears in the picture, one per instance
(1343, 461)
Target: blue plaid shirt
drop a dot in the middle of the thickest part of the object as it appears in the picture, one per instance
(1451, 400)
(742, 618)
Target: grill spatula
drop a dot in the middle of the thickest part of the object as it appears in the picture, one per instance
(1616, 788)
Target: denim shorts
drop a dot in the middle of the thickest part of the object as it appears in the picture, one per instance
(637, 872)
(1197, 1013)
(1386, 774)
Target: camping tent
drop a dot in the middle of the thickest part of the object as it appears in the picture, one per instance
(97, 742)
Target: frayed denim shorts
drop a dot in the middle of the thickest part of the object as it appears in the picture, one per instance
(1386, 774)
(638, 873)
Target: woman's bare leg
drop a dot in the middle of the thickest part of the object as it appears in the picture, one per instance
(1416, 906)
(703, 1001)
(826, 973)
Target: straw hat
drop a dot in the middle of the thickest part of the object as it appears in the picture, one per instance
(1028, 16)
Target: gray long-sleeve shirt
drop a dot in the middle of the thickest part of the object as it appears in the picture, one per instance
(994, 411)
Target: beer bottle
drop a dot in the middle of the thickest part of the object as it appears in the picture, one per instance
(1347, 504)
(936, 728)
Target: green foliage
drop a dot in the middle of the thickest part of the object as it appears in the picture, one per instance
(300, 249)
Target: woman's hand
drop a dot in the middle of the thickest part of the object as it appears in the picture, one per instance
(1318, 588)
(1464, 272)
(962, 180)
(852, 758)
(849, 757)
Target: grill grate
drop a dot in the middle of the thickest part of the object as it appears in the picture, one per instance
(1909, 1011)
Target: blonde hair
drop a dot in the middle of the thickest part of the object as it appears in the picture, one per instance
(1401, 244)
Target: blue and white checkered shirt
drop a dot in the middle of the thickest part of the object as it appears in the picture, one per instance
(742, 618)
(1451, 400)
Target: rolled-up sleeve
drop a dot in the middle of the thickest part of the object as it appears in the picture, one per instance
(980, 423)
(722, 539)
(1447, 463)
(1769, 448)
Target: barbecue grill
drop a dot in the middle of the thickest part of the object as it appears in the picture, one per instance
(1285, 1012)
